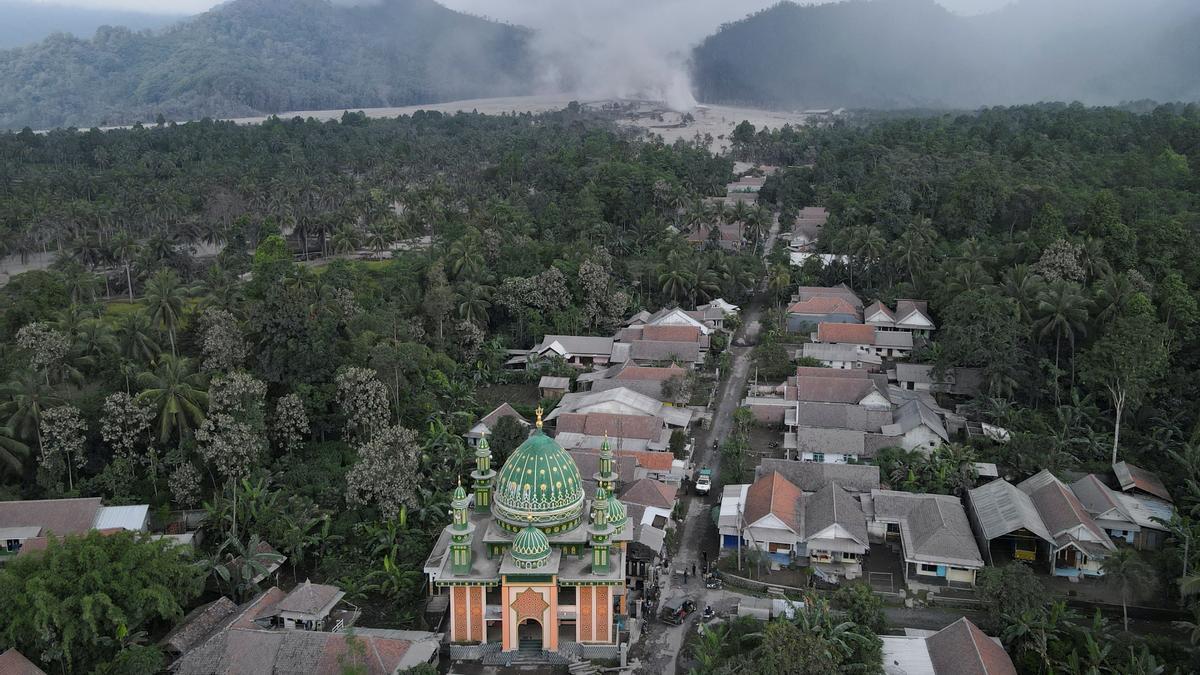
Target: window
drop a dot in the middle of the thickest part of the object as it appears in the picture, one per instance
(14, 545)
(780, 548)
(929, 569)
(818, 457)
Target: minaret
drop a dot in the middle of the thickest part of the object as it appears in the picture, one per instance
(606, 477)
(483, 475)
(600, 531)
(460, 532)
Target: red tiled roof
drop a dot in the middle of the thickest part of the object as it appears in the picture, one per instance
(671, 333)
(650, 459)
(776, 495)
(54, 516)
(649, 492)
(816, 371)
(632, 372)
(642, 427)
(823, 305)
(503, 410)
(850, 333)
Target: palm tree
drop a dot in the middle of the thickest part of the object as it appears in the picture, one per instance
(135, 341)
(1062, 310)
(674, 279)
(780, 280)
(345, 240)
(1192, 627)
(1126, 570)
(177, 394)
(473, 302)
(164, 300)
(379, 237)
(1113, 295)
(240, 565)
(12, 451)
(28, 395)
(1024, 288)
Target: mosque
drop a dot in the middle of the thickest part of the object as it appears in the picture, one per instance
(529, 562)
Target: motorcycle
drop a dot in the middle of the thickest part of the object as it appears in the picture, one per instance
(708, 612)
(713, 582)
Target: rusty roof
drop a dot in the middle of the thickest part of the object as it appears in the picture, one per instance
(671, 333)
(846, 333)
(645, 427)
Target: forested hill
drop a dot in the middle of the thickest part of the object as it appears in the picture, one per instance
(915, 53)
(262, 56)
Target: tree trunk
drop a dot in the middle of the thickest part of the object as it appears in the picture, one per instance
(1119, 401)
(171, 334)
(1125, 609)
(129, 281)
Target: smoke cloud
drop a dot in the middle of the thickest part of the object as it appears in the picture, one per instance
(615, 48)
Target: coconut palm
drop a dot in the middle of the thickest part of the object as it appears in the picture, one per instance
(473, 302)
(345, 240)
(1114, 292)
(135, 338)
(1062, 311)
(674, 279)
(28, 396)
(164, 300)
(12, 451)
(1024, 288)
(177, 394)
(1124, 569)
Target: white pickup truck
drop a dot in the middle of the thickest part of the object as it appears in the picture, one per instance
(703, 481)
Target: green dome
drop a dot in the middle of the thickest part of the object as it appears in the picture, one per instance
(530, 547)
(539, 481)
(459, 493)
(616, 513)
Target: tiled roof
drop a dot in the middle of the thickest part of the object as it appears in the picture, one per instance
(839, 291)
(1060, 508)
(846, 333)
(773, 494)
(661, 350)
(198, 624)
(1131, 477)
(650, 459)
(814, 371)
(671, 333)
(1098, 498)
(502, 410)
(309, 598)
(649, 492)
(933, 528)
(812, 476)
(832, 505)
(962, 649)
(833, 389)
(841, 416)
(823, 305)
(13, 662)
(55, 516)
(583, 345)
(632, 372)
(616, 426)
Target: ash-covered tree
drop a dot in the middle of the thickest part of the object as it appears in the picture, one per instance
(234, 436)
(64, 434)
(386, 473)
(223, 345)
(364, 403)
(46, 346)
(125, 429)
(289, 424)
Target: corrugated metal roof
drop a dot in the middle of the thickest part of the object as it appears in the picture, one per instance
(1002, 509)
(125, 517)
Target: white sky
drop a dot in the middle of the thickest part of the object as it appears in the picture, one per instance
(512, 10)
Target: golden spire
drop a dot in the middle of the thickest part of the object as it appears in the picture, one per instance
(539, 417)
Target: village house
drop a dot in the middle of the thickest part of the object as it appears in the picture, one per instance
(26, 525)
(553, 387)
(826, 528)
(958, 649)
(278, 632)
(636, 432)
(646, 380)
(886, 344)
(726, 236)
(934, 534)
(621, 401)
(806, 229)
(487, 424)
(1139, 482)
(910, 316)
(922, 377)
(842, 357)
(810, 477)
(813, 305)
(1126, 518)
(580, 351)
(1040, 521)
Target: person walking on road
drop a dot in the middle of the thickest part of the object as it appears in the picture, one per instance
(693, 569)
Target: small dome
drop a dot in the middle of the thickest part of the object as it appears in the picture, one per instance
(530, 548)
(617, 517)
(459, 493)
